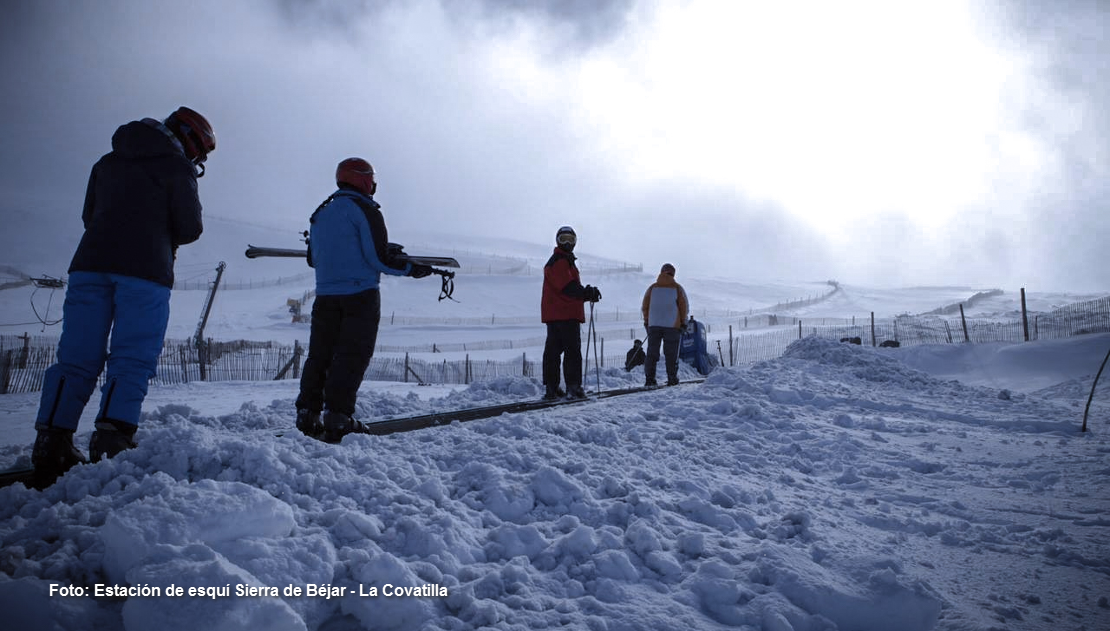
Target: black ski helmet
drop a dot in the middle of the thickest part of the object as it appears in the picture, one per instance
(565, 238)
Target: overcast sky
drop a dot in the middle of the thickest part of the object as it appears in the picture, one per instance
(891, 143)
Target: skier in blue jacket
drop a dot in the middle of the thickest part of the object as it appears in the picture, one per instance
(140, 206)
(347, 246)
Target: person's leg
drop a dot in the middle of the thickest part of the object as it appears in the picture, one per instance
(82, 349)
(671, 340)
(358, 332)
(570, 337)
(552, 361)
(68, 384)
(654, 338)
(327, 314)
(142, 311)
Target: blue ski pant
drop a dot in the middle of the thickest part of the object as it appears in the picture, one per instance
(109, 320)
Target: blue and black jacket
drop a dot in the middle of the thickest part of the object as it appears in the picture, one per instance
(348, 245)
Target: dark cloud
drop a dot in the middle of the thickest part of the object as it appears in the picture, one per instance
(569, 26)
(468, 142)
(583, 23)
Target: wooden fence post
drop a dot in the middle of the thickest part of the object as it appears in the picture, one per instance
(731, 360)
(5, 372)
(1024, 316)
(872, 328)
(967, 338)
(297, 351)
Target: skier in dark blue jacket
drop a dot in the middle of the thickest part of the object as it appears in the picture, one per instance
(140, 206)
(347, 246)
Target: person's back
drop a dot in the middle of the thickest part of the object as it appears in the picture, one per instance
(348, 239)
(141, 204)
(666, 303)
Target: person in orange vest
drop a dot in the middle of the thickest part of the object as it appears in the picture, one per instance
(664, 309)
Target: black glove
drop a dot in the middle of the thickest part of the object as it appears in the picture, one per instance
(420, 271)
(593, 294)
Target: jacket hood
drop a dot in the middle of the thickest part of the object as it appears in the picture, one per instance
(666, 280)
(144, 139)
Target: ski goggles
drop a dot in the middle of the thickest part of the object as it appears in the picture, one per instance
(566, 238)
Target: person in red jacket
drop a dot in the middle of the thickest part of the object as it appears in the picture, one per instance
(562, 310)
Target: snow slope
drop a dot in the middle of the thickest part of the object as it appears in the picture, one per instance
(835, 488)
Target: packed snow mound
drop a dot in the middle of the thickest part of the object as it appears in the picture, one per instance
(865, 362)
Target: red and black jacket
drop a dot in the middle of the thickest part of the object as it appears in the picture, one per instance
(563, 295)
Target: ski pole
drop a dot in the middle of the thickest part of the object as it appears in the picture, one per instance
(597, 364)
(586, 357)
(1092, 396)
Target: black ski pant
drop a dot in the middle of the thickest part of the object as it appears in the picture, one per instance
(670, 338)
(341, 343)
(563, 345)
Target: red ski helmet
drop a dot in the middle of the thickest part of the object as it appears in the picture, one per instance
(358, 173)
(195, 134)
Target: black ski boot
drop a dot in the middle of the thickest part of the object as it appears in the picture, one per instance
(110, 438)
(575, 393)
(53, 455)
(308, 421)
(553, 393)
(337, 425)
(651, 383)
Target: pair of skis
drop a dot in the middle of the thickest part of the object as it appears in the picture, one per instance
(423, 421)
(396, 253)
(435, 419)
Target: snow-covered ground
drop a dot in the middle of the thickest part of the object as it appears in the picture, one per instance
(838, 487)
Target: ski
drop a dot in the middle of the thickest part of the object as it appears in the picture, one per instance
(435, 419)
(25, 475)
(17, 474)
(254, 252)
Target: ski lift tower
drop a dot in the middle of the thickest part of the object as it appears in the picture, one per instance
(198, 338)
